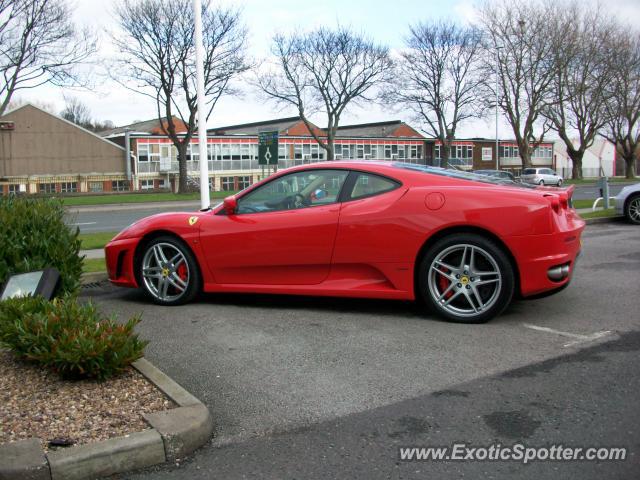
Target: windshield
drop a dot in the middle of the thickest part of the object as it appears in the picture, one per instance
(460, 174)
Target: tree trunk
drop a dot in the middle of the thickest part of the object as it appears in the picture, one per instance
(182, 167)
(630, 163)
(525, 156)
(576, 159)
(331, 149)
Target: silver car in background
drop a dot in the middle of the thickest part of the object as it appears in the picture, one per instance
(628, 203)
(541, 176)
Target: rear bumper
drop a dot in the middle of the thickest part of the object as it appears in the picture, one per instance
(119, 255)
(536, 254)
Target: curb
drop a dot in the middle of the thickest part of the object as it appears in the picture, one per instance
(174, 434)
(93, 277)
(595, 221)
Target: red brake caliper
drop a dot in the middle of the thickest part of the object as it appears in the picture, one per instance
(182, 271)
(444, 283)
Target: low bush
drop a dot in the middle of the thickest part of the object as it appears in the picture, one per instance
(71, 338)
(34, 236)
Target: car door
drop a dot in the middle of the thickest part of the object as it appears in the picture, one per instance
(368, 232)
(282, 233)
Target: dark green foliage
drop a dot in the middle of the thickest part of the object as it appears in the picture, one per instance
(33, 236)
(68, 337)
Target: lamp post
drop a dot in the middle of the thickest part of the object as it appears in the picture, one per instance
(202, 115)
(498, 48)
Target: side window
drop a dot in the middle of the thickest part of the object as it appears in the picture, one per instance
(368, 184)
(294, 191)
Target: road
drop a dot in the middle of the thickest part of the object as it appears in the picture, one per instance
(317, 388)
(114, 218)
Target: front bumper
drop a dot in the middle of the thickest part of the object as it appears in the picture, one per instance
(119, 255)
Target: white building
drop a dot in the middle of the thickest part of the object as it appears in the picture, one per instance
(601, 156)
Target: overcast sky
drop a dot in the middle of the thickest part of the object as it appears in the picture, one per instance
(386, 21)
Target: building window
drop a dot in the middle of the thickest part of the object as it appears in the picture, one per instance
(119, 185)
(146, 184)
(487, 154)
(69, 187)
(244, 182)
(15, 189)
(163, 183)
(228, 184)
(509, 152)
(47, 188)
(96, 186)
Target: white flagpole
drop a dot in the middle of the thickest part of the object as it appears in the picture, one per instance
(202, 115)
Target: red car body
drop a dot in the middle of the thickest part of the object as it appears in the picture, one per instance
(368, 247)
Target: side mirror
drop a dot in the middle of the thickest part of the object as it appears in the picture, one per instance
(230, 205)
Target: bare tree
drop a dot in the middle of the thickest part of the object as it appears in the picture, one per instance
(77, 112)
(39, 44)
(623, 128)
(582, 77)
(324, 71)
(438, 78)
(156, 50)
(521, 41)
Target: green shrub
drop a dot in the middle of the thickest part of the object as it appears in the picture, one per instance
(71, 338)
(34, 236)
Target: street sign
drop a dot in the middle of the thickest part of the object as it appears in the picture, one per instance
(267, 148)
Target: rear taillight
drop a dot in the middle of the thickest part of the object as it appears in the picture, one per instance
(554, 201)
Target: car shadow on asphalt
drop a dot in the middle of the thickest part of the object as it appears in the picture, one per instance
(392, 308)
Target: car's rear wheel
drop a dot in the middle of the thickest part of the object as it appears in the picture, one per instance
(632, 210)
(168, 272)
(466, 278)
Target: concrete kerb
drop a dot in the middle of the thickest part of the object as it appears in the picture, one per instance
(174, 434)
(595, 221)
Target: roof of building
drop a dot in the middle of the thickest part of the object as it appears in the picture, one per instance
(147, 126)
(376, 129)
(30, 105)
(278, 124)
(282, 125)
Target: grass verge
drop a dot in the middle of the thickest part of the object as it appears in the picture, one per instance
(90, 241)
(137, 198)
(593, 181)
(94, 265)
(600, 214)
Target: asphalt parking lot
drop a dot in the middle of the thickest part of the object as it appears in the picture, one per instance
(328, 388)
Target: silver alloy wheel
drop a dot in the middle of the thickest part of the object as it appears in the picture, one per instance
(464, 280)
(634, 209)
(165, 272)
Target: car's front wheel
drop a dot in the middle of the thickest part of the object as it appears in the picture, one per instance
(466, 278)
(560, 182)
(541, 182)
(632, 210)
(168, 272)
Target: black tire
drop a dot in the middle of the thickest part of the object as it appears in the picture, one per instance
(497, 299)
(193, 281)
(560, 182)
(541, 183)
(631, 207)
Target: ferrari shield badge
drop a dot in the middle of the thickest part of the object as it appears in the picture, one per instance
(193, 220)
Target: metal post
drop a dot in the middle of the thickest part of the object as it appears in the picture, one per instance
(497, 145)
(202, 115)
(127, 153)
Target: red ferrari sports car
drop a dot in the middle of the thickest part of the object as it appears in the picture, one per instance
(464, 244)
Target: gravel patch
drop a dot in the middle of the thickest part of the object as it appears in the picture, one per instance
(35, 402)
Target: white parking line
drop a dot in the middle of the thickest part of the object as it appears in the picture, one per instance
(577, 338)
(84, 223)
